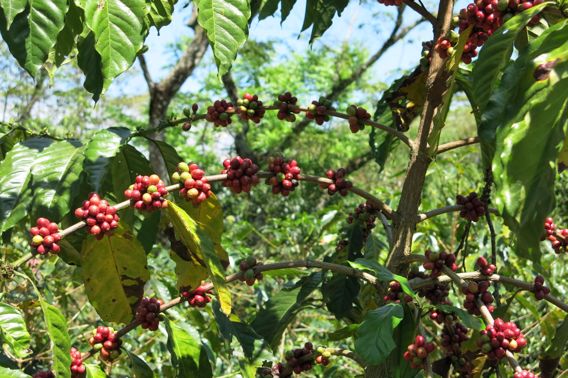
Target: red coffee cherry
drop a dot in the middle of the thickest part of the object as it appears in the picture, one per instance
(395, 293)
(100, 217)
(198, 297)
(105, 339)
(148, 313)
(78, 370)
(339, 184)
(220, 113)
(287, 107)
(540, 291)
(250, 108)
(194, 186)
(247, 267)
(484, 267)
(475, 291)
(147, 193)
(436, 261)
(298, 360)
(418, 352)
(241, 174)
(44, 374)
(285, 175)
(473, 207)
(498, 338)
(317, 110)
(357, 118)
(45, 237)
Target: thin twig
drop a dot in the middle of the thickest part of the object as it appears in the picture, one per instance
(456, 144)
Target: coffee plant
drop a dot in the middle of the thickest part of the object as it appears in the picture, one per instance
(420, 309)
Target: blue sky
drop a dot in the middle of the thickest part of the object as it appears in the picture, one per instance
(367, 24)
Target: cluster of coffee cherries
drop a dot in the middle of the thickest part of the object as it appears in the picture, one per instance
(323, 356)
(436, 294)
(198, 297)
(78, 370)
(241, 174)
(391, 2)
(247, 267)
(366, 214)
(188, 113)
(435, 261)
(298, 360)
(339, 184)
(484, 266)
(250, 108)
(473, 207)
(540, 291)
(105, 339)
(147, 193)
(285, 175)
(444, 47)
(557, 238)
(220, 113)
(317, 110)
(524, 374)
(396, 294)
(194, 186)
(417, 352)
(486, 16)
(475, 291)
(99, 216)
(357, 117)
(148, 313)
(453, 335)
(498, 338)
(44, 374)
(45, 236)
(287, 107)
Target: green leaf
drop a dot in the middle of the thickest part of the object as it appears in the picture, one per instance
(233, 327)
(466, 318)
(320, 14)
(119, 29)
(495, 55)
(56, 172)
(169, 155)
(140, 368)
(15, 174)
(11, 9)
(226, 24)
(89, 61)
(268, 9)
(66, 39)
(202, 250)
(558, 344)
(9, 139)
(100, 150)
(15, 36)
(125, 166)
(382, 274)
(161, 12)
(374, 340)
(59, 337)
(114, 271)
(282, 308)
(189, 274)
(13, 331)
(184, 350)
(10, 373)
(94, 371)
(340, 295)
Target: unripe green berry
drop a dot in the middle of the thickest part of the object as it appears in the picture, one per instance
(175, 177)
(183, 167)
(249, 274)
(152, 189)
(326, 354)
(351, 110)
(251, 261)
(37, 240)
(186, 112)
(184, 176)
(224, 116)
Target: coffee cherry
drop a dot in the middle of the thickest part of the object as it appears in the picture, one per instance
(287, 107)
(148, 313)
(418, 352)
(365, 214)
(44, 374)
(453, 335)
(105, 339)
(99, 216)
(194, 186)
(540, 291)
(484, 267)
(198, 297)
(391, 2)
(472, 207)
(498, 338)
(220, 113)
(558, 238)
(147, 193)
(436, 261)
(78, 370)
(444, 47)
(45, 237)
(357, 118)
(317, 110)
(285, 175)
(250, 108)
(249, 273)
(395, 293)
(475, 291)
(241, 174)
(524, 374)
(339, 184)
